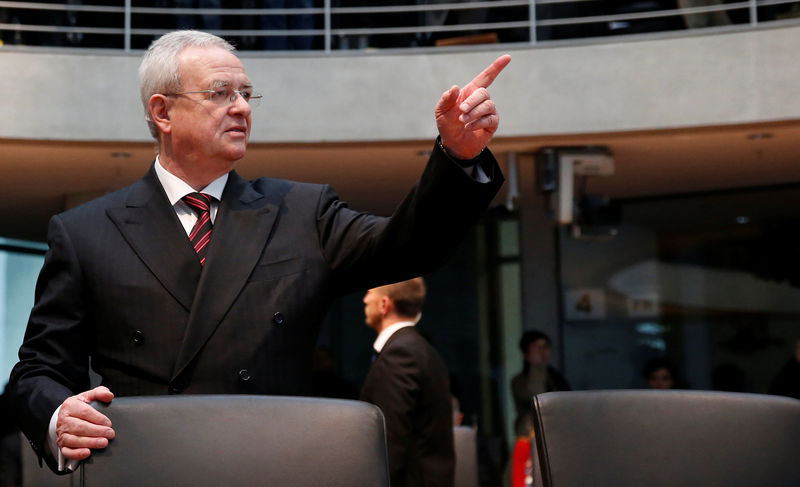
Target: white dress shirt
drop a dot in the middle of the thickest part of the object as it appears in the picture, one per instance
(387, 333)
(176, 188)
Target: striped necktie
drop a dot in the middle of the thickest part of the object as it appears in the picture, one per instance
(201, 231)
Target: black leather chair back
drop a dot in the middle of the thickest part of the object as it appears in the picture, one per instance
(667, 439)
(220, 440)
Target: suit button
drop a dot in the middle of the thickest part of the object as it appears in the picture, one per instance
(278, 318)
(138, 338)
(176, 387)
(244, 375)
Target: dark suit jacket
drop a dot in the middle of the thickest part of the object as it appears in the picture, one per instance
(410, 383)
(121, 285)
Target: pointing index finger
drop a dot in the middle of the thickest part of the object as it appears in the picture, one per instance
(487, 76)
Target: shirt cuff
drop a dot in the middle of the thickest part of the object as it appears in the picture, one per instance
(52, 445)
(470, 166)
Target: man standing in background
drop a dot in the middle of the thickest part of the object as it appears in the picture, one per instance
(409, 382)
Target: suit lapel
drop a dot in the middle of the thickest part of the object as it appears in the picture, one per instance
(152, 229)
(241, 229)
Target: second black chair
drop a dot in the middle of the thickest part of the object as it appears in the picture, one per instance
(667, 438)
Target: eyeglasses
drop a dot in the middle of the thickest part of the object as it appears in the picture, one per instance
(222, 96)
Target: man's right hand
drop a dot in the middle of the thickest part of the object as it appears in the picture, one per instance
(80, 427)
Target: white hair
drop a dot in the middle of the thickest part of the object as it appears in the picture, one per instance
(158, 72)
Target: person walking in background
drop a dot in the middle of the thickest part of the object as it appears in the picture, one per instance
(295, 21)
(409, 382)
(208, 22)
(537, 376)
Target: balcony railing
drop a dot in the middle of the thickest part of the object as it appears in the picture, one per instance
(334, 25)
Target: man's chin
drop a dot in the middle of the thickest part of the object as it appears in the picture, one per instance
(236, 152)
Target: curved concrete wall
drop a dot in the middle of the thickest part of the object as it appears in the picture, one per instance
(663, 83)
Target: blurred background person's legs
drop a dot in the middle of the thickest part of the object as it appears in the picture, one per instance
(301, 22)
(211, 22)
(184, 21)
(287, 22)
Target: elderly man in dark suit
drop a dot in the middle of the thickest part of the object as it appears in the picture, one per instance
(194, 280)
(409, 382)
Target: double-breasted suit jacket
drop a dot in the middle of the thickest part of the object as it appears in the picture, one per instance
(121, 285)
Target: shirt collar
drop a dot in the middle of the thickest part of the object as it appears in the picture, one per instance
(387, 333)
(176, 188)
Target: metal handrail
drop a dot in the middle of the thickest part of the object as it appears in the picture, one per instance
(329, 13)
(644, 15)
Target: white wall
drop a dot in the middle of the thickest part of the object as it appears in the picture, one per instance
(687, 81)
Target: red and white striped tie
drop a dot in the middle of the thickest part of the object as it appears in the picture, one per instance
(201, 231)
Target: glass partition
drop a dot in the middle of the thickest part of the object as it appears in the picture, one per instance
(20, 263)
(710, 282)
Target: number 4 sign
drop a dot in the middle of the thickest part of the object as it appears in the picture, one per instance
(585, 304)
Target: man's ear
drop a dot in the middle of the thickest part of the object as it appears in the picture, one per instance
(385, 305)
(158, 106)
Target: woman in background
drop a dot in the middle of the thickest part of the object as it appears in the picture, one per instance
(661, 373)
(537, 376)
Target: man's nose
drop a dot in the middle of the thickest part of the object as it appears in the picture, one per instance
(240, 105)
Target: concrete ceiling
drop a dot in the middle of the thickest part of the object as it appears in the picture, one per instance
(41, 178)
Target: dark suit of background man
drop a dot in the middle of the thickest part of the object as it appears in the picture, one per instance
(122, 284)
(409, 382)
